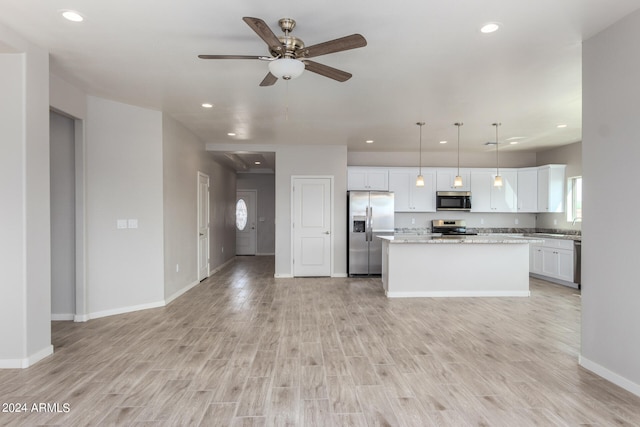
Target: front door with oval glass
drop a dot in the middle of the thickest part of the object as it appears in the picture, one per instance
(246, 233)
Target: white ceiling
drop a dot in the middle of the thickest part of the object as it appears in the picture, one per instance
(426, 60)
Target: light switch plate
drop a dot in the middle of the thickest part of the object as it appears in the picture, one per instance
(133, 223)
(121, 223)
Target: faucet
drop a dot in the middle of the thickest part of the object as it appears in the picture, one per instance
(575, 219)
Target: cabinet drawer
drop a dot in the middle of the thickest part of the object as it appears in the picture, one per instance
(558, 243)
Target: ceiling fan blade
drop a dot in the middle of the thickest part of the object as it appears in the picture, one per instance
(233, 57)
(325, 70)
(269, 80)
(338, 45)
(265, 33)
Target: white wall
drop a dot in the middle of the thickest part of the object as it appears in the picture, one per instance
(25, 286)
(63, 206)
(266, 209)
(441, 159)
(125, 268)
(184, 156)
(310, 160)
(610, 291)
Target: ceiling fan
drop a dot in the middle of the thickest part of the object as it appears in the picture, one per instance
(290, 57)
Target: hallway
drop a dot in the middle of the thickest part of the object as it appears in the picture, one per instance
(245, 349)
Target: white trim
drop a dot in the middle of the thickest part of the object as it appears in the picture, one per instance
(198, 201)
(192, 285)
(339, 275)
(55, 317)
(27, 361)
(129, 309)
(265, 254)
(456, 294)
(221, 266)
(283, 276)
(605, 373)
(81, 318)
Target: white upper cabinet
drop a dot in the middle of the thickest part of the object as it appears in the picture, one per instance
(368, 179)
(528, 190)
(487, 198)
(407, 196)
(445, 177)
(551, 188)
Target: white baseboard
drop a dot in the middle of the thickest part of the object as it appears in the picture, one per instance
(283, 276)
(265, 254)
(27, 361)
(129, 309)
(605, 373)
(190, 286)
(339, 275)
(62, 316)
(81, 318)
(456, 294)
(221, 266)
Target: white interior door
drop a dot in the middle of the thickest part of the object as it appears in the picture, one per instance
(312, 226)
(246, 232)
(203, 226)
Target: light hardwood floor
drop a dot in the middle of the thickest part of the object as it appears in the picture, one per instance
(245, 349)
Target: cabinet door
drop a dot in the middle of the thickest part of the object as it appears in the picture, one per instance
(565, 264)
(503, 199)
(535, 258)
(551, 188)
(550, 262)
(445, 178)
(528, 190)
(423, 199)
(399, 182)
(356, 179)
(378, 180)
(408, 197)
(481, 191)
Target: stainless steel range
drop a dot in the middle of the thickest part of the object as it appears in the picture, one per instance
(451, 227)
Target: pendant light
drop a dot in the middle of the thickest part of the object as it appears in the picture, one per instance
(497, 182)
(457, 182)
(420, 179)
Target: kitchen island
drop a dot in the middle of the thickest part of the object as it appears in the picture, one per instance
(460, 266)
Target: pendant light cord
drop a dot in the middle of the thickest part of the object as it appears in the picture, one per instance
(458, 124)
(420, 124)
(497, 156)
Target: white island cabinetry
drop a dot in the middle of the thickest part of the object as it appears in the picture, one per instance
(429, 266)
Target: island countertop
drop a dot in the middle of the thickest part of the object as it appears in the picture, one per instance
(471, 239)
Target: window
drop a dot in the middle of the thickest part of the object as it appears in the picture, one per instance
(241, 214)
(574, 199)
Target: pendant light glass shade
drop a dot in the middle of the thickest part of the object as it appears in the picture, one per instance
(497, 182)
(457, 182)
(420, 179)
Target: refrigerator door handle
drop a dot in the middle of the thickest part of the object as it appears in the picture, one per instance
(369, 224)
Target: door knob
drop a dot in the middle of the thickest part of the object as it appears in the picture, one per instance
(327, 232)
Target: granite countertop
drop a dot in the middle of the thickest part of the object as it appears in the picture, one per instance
(574, 237)
(439, 239)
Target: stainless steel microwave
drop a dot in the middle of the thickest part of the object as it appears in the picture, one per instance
(453, 200)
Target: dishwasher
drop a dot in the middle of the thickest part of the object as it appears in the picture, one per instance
(577, 262)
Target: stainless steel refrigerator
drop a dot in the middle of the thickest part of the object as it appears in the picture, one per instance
(370, 215)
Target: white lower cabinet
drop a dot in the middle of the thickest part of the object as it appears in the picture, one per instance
(552, 259)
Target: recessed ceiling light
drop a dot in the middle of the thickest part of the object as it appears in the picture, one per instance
(231, 134)
(513, 142)
(257, 163)
(562, 125)
(443, 142)
(369, 141)
(207, 105)
(490, 27)
(72, 15)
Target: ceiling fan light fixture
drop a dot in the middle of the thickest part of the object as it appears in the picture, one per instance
(286, 68)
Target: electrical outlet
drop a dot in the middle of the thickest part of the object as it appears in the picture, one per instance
(177, 268)
(555, 222)
(517, 222)
(481, 221)
(413, 220)
(222, 249)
